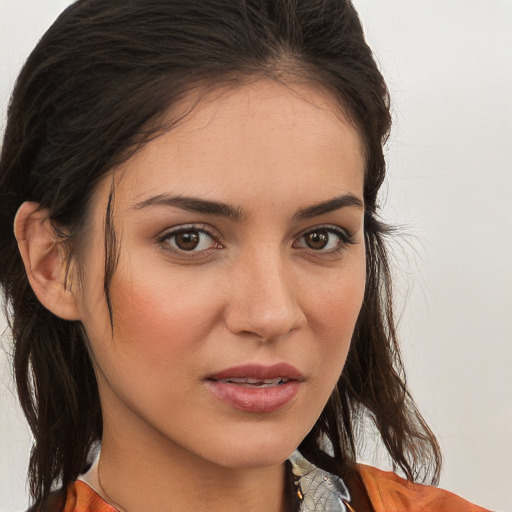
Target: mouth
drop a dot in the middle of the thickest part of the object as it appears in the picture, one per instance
(254, 374)
(250, 382)
(256, 388)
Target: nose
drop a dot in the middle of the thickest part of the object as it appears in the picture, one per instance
(264, 301)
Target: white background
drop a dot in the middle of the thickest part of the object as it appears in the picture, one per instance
(448, 64)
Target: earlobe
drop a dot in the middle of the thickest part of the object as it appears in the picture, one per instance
(44, 260)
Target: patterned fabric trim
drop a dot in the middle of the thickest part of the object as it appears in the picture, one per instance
(317, 489)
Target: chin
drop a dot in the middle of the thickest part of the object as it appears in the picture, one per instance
(256, 452)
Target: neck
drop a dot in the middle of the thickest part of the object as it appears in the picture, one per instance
(155, 475)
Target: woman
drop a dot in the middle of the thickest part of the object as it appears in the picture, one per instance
(197, 272)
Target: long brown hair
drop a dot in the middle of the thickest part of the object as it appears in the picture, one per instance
(89, 95)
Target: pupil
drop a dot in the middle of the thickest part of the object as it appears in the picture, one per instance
(187, 241)
(317, 240)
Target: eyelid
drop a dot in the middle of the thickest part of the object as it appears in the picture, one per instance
(346, 238)
(201, 228)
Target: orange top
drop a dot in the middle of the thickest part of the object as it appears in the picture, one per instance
(390, 493)
(387, 492)
(81, 498)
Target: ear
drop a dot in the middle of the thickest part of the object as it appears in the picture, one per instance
(44, 260)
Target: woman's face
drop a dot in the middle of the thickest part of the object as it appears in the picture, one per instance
(241, 275)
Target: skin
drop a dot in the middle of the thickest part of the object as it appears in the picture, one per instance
(251, 292)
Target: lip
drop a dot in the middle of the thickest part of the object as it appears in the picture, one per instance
(260, 372)
(256, 399)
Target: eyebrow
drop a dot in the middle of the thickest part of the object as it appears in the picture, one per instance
(343, 201)
(194, 204)
(197, 205)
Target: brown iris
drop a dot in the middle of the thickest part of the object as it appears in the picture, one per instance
(187, 240)
(317, 239)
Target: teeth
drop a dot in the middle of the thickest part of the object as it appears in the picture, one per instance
(249, 381)
(240, 380)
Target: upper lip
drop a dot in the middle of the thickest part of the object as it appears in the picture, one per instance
(259, 371)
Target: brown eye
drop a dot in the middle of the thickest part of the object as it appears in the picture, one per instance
(317, 240)
(189, 240)
(325, 239)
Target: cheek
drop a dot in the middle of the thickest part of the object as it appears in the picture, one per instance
(157, 343)
(333, 313)
(335, 301)
(160, 317)
(333, 305)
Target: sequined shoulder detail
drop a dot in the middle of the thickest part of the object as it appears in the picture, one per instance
(318, 490)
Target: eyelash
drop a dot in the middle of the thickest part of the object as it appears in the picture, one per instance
(164, 240)
(345, 239)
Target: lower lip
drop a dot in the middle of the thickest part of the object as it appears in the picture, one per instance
(255, 399)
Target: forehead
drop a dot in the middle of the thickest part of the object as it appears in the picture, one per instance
(246, 141)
